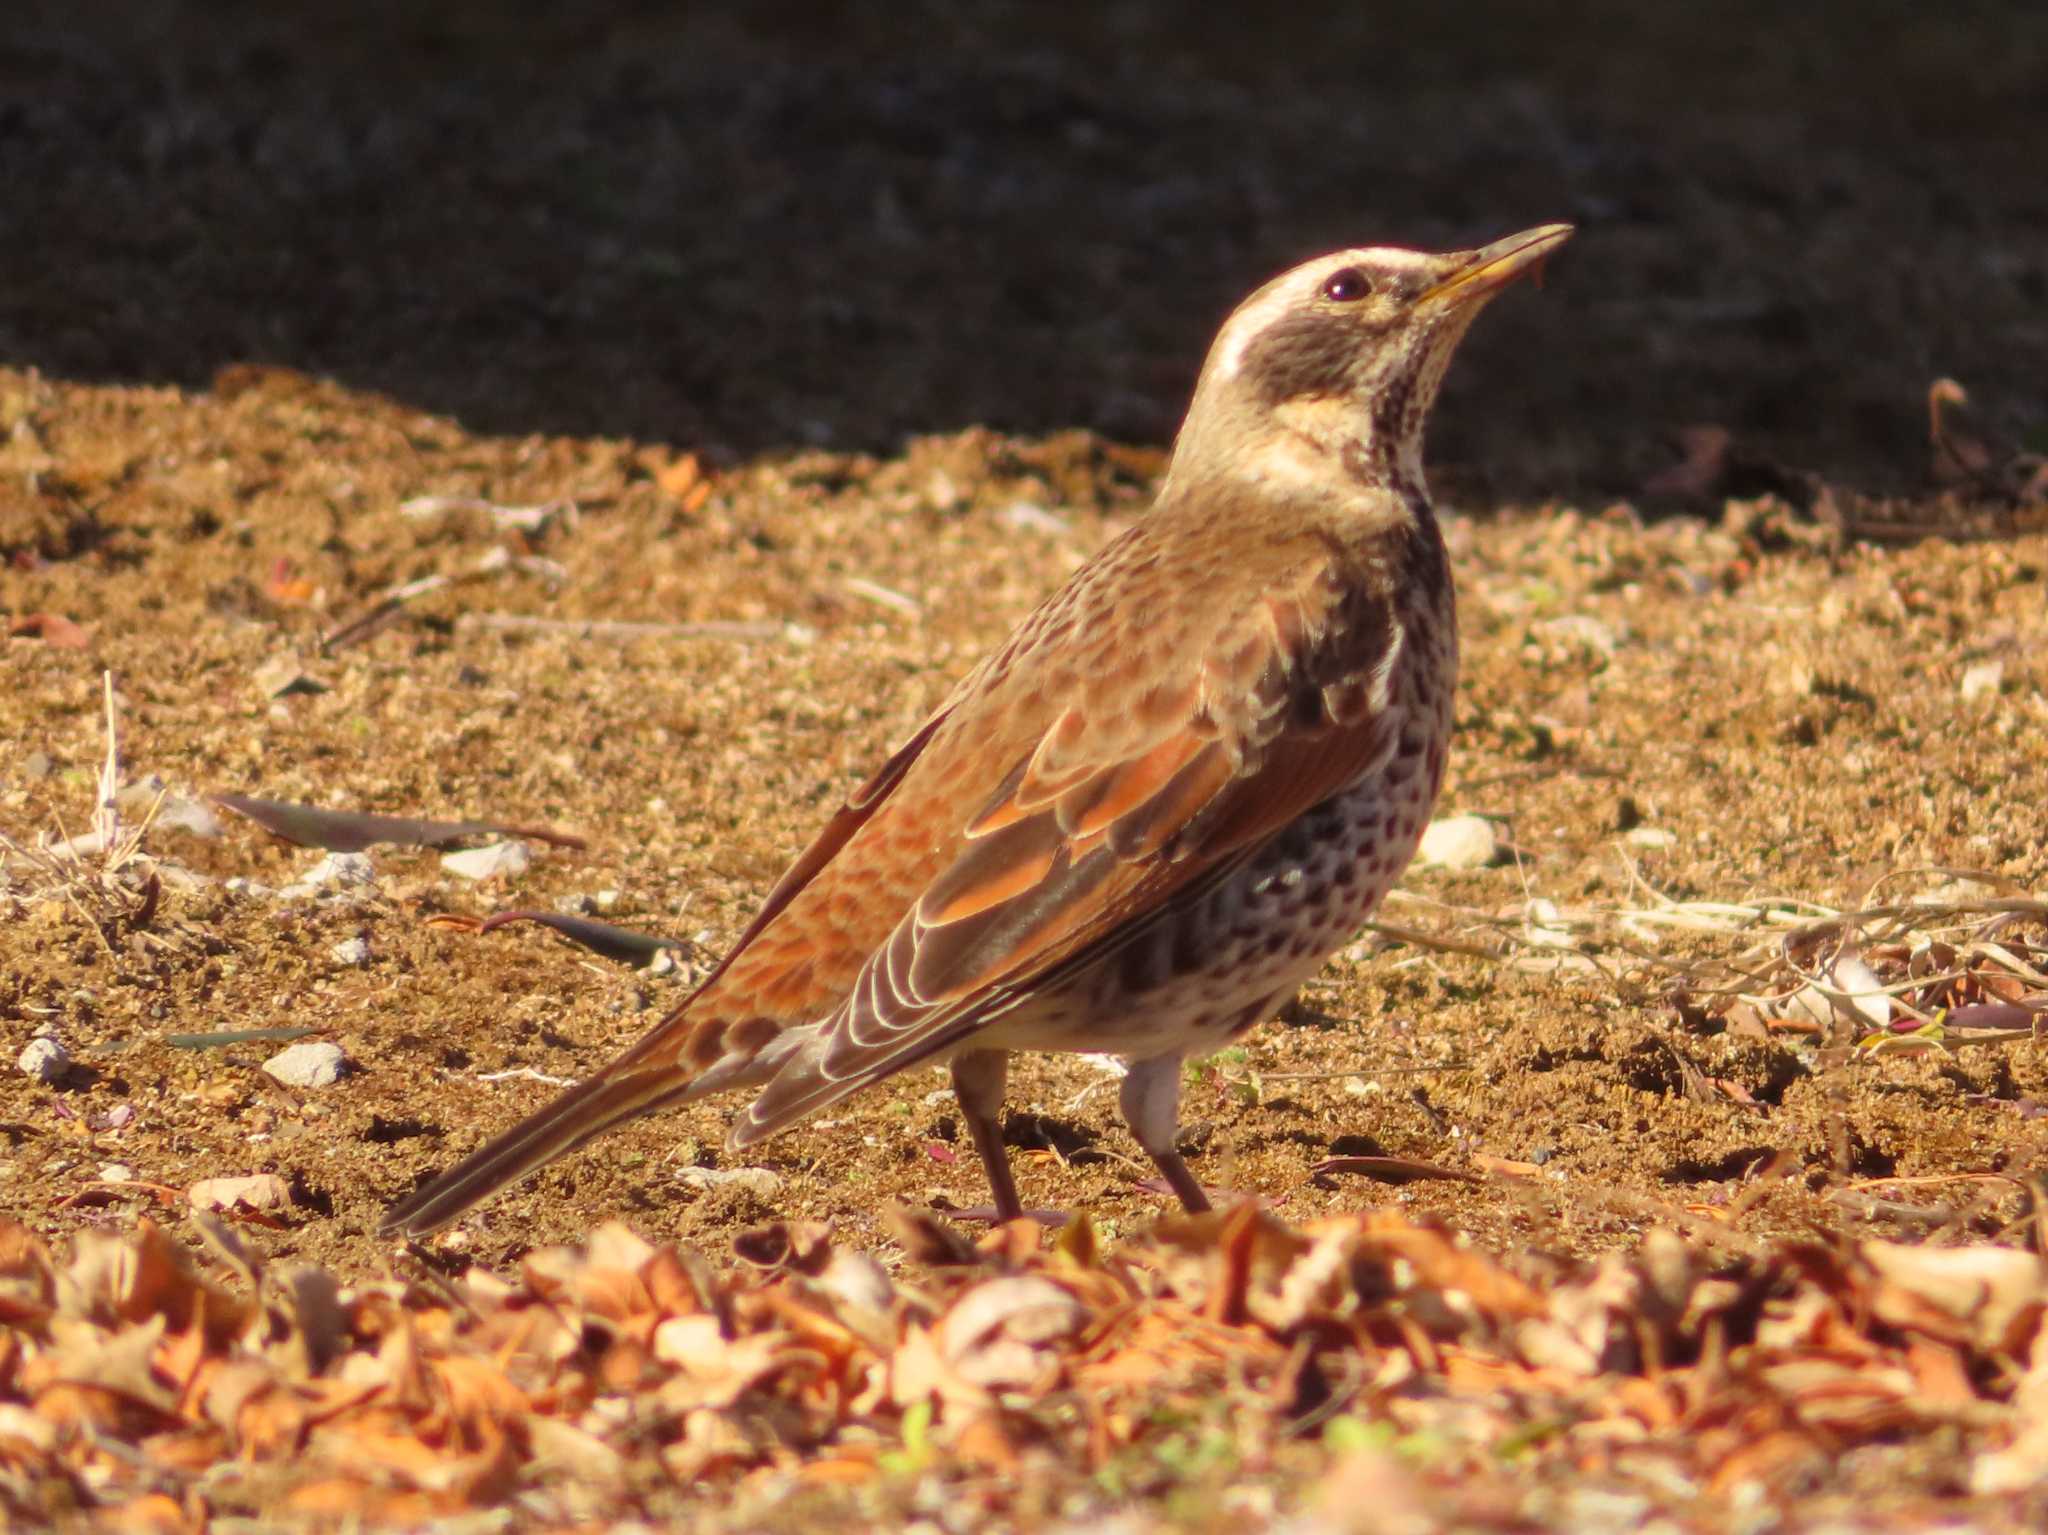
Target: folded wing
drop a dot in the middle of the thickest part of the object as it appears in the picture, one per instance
(1132, 799)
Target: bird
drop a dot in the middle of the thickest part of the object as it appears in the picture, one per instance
(1144, 819)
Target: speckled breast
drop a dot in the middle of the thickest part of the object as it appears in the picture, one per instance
(1221, 963)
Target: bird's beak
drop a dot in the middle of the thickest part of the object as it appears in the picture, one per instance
(1492, 267)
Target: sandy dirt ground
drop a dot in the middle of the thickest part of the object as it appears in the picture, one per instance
(845, 342)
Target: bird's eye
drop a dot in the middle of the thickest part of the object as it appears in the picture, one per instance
(1346, 286)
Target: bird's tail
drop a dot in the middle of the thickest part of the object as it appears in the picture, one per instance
(586, 1110)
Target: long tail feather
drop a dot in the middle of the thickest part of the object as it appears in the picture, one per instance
(586, 1110)
(800, 1089)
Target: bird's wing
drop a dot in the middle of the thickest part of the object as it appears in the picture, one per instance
(1153, 781)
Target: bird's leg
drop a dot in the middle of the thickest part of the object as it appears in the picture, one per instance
(1150, 1100)
(979, 1077)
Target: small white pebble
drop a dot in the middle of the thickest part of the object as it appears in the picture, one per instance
(281, 675)
(116, 1172)
(1542, 926)
(1459, 842)
(336, 871)
(354, 952)
(1651, 837)
(1582, 630)
(173, 812)
(188, 815)
(755, 1180)
(1029, 514)
(1985, 678)
(499, 860)
(45, 1060)
(310, 1063)
(85, 845)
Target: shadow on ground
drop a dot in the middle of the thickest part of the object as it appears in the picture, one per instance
(799, 227)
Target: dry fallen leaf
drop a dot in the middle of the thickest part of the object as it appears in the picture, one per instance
(51, 629)
(996, 1335)
(1505, 1167)
(254, 1194)
(387, 1402)
(1992, 1295)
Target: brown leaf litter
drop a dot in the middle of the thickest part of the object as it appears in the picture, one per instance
(161, 1390)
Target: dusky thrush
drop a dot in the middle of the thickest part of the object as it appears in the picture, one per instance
(1156, 809)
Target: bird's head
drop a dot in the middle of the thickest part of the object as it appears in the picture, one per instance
(1342, 356)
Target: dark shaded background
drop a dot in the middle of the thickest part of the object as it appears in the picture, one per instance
(797, 227)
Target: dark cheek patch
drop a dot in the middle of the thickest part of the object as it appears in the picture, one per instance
(1307, 354)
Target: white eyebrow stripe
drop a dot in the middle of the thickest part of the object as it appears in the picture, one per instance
(1285, 291)
(1281, 295)
(1395, 256)
(1247, 323)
